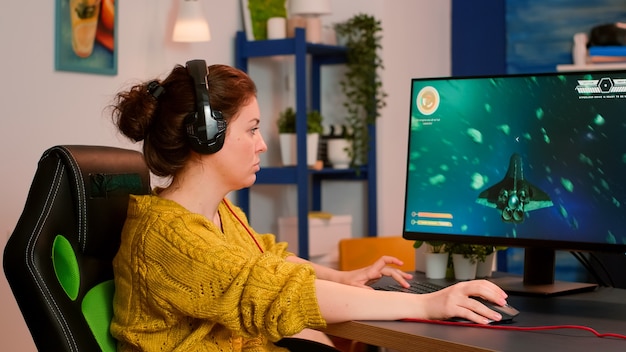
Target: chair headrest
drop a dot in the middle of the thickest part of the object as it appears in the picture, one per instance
(102, 179)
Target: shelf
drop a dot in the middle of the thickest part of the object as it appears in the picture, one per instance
(308, 59)
(289, 175)
(592, 67)
(289, 46)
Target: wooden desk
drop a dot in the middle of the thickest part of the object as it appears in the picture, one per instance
(603, 310)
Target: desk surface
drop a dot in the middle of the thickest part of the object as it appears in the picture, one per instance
(603, 310)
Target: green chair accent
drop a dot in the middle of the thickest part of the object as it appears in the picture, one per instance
(97, 305)
(66, 266)
(98, 311)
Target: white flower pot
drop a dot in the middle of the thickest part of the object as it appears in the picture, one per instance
(436, 265)
(485, 268)
(464, 269)
(289, 149)
(337, 151)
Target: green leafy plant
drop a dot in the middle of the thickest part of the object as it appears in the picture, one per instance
(435, 246)
(474, 252)
(287, 121)
(362, 84)
(314, 122)
(261, 11)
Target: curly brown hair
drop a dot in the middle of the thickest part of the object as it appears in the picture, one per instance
(160, 121)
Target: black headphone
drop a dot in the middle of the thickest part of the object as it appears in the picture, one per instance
(206, 128)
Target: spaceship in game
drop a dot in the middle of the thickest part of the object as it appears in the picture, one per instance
(514, 196)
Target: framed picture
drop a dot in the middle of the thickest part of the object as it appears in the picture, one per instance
(257, 12)
(86, 36)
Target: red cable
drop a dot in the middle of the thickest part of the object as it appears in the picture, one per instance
(244, 225)
(517, 328)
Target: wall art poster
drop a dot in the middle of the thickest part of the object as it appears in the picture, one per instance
(85, 36)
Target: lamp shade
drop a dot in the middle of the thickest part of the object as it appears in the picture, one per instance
(309, 7)
(191, 26)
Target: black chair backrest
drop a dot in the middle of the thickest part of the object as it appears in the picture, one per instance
(67, 236)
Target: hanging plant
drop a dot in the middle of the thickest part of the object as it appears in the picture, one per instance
(361, 84)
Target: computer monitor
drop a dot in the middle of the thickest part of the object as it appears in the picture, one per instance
(533, 161)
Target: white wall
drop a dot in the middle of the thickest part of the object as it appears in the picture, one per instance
(417, 43)
(42, 107)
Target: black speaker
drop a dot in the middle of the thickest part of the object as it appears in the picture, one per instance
(206, 128)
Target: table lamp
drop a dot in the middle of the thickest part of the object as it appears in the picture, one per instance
(311, 10)
(191, 26)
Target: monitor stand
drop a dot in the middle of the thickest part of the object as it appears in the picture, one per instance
(538, 279)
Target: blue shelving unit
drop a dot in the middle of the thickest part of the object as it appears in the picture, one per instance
(307, 181)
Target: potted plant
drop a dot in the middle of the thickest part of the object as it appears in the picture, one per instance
(337, 147)
(484, 267)
(465, 258)
(287, 136)
(472, 260)
(361, 83)
(436, 258)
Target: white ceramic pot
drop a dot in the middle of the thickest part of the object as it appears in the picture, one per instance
(337, 152)
(485, 268)
(464, 269)
(289, 151)
(287, 148)
(312, 148)
(436, 265)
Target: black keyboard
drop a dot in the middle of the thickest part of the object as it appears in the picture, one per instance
(416, 287)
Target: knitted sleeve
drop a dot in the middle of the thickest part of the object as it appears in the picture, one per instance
(205, 276)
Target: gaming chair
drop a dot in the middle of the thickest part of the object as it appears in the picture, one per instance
(58, 260)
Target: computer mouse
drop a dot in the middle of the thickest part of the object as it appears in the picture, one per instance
(508, 312)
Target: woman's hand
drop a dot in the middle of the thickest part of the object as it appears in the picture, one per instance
(380, 268)
(455, 301)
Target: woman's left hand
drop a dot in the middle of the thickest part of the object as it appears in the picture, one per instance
(361, 277)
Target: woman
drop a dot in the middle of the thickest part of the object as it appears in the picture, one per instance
(192, 275)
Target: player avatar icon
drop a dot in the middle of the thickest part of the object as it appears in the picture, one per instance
(514, 196)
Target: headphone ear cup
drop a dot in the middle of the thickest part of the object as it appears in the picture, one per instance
(217, 142)
(197, 133)
(206, 128)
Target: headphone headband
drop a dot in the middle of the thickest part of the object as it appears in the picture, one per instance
(205, 127)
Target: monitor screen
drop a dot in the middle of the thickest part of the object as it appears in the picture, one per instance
(534, 161)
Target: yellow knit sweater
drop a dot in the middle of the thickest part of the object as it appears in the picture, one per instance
(182, 284)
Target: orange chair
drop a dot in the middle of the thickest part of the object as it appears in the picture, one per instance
(356, 253)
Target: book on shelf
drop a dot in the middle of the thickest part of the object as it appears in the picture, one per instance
(607, 54)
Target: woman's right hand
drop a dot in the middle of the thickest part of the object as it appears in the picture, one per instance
(455, 302)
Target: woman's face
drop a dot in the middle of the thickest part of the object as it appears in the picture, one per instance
(239, 157)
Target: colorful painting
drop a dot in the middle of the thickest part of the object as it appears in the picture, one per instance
(85, 36)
